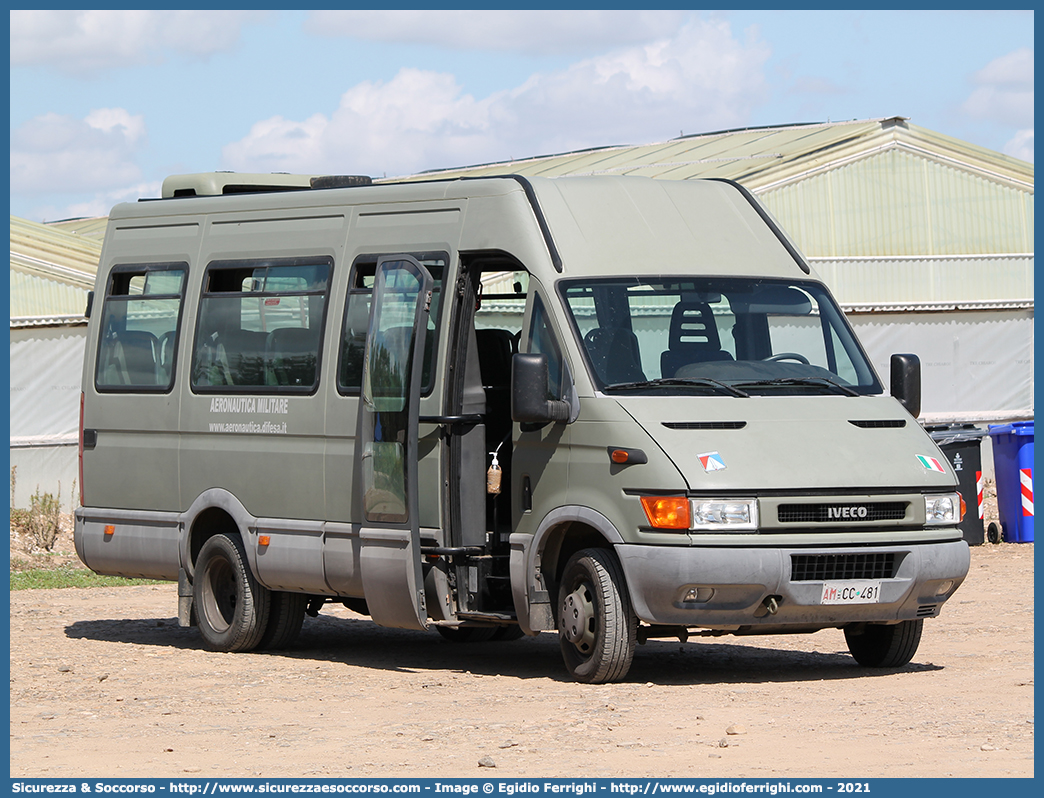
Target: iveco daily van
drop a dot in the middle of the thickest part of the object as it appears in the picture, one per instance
(615, 407)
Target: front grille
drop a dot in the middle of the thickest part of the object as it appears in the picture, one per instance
(857, 513)
(877, 423)
(821, 567)
(927, 610)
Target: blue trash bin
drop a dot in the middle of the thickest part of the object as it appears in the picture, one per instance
(1013, 465)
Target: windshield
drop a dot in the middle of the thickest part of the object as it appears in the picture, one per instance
(716, 335)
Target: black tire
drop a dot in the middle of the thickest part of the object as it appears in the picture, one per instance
(596, 625)
(504, 634)
(881, 646)
(993, 532)
(285, 616)
(231, 607)
(467, 634)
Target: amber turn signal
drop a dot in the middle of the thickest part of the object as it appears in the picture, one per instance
(667, 512)
(264, 540)
(621, 456)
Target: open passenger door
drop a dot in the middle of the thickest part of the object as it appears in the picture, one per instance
(390, 557)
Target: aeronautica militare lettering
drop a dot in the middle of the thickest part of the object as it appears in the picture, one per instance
(250, 404)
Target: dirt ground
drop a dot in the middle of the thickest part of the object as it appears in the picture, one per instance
(105, 684)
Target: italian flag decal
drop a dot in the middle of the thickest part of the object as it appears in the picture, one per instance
(711, 461)
(931, 463)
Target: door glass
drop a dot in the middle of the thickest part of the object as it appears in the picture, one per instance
(386, 390)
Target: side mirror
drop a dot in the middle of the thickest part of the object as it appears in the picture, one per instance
(906, 382)
(529, 391)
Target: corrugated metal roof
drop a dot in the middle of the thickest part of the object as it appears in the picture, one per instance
(760, 158)
(51, 270)
(878, 188)
(88, 227)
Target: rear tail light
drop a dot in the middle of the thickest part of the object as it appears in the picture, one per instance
(80, 453)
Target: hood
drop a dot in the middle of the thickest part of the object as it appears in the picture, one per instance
(792, 442)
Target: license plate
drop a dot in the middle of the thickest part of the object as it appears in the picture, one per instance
(853, 592)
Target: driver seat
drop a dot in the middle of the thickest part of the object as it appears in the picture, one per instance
(693, 338)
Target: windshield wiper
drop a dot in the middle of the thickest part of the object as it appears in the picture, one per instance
(784, 381)
(675, 381)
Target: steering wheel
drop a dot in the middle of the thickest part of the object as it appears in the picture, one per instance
(787, 356)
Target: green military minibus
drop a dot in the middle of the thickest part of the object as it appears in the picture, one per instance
(615, 407)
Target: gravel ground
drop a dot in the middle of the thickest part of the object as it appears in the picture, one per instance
(105, 684)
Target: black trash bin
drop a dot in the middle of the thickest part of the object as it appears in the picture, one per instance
(960, 444)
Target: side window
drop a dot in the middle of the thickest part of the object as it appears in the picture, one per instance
(542, 341)
(139, 328)
(357, 319)
(260, 325)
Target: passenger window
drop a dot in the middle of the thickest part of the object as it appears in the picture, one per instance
(260, 325)
(357, 319)
(542, 341)
(139, 328)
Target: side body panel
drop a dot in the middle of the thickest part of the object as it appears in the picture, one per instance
(137, 432)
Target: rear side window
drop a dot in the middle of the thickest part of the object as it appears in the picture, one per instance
(139, 328)
(260, 326)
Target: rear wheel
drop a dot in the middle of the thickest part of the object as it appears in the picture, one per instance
(884, 646)
(285, 617)
(596, 625)
(231, 607)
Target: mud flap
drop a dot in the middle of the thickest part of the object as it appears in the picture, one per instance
(391, 574)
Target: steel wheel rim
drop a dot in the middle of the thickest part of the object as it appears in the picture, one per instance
(221, 596)
(579, 619)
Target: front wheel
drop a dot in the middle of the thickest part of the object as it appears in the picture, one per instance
(596, 625)
(884, 646)
(231, 607)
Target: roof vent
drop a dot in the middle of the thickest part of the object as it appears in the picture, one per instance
(340, 181)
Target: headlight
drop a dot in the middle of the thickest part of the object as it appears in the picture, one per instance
(732, 515)
(943, 510)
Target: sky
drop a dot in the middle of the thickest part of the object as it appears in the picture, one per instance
(105, 104)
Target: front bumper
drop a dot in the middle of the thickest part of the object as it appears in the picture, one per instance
(733, 584)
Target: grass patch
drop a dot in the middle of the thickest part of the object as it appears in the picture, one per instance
(44, 579)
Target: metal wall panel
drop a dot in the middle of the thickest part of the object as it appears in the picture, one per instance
(945, 279)
(899, 203)
(36, 296)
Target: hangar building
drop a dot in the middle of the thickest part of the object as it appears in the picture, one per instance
(927, 242)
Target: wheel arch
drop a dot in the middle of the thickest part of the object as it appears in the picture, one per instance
(542, 558)
(214, 511)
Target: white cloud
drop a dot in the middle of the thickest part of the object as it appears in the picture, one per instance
(97, 205)
(85, 42)
(532, 32)
(1005, 90)
(1021, 146)
(54, 153)
(701, 78)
